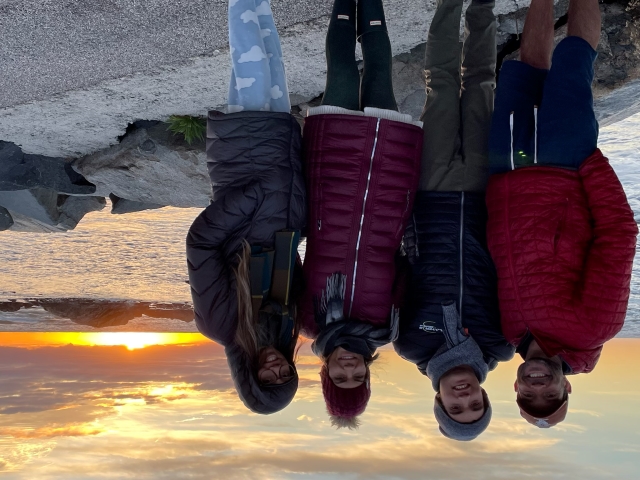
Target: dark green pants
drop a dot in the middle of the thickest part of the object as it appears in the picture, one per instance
(344, 87)
(460, 90)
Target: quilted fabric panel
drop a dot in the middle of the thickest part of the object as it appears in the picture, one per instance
(448, 270)
(337, 151)
(256, 176)
(563, 243)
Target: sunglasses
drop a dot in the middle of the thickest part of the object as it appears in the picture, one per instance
(269, 377)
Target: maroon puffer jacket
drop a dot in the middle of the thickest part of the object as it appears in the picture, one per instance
(563, 243)
(362, 174)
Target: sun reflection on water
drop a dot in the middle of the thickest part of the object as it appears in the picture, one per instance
(130, 340)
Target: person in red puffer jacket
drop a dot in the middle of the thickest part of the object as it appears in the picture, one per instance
(560, 229)
(362, 161)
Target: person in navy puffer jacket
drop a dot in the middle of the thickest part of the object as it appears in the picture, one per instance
(450, 324)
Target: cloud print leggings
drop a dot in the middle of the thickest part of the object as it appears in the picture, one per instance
(258, 80)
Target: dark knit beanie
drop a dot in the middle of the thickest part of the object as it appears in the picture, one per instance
(463, 432)
(344, 402)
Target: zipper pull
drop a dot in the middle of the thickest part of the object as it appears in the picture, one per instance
(319, 224)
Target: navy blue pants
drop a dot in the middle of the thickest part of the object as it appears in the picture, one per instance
(567, 129)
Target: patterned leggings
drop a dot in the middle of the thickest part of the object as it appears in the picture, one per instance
(258, 80)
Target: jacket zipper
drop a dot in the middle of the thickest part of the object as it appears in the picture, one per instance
(319, 209)
(461, 256)
(364, 204)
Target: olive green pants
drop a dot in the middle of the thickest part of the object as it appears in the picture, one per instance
(460, 89)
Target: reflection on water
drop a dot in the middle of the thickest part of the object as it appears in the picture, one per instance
(86, 314)
(138, 256)
(130, 340)
(169, 410)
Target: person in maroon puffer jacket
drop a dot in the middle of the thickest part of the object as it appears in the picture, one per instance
(362, 161)
(561, 233)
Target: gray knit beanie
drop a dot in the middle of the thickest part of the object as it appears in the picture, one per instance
(462, 432)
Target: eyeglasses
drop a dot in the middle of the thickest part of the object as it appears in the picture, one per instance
(269, 377)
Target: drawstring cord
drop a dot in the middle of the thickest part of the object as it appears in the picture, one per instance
(513, 167)
(535, 138)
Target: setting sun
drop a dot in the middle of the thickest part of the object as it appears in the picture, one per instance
(130, 340)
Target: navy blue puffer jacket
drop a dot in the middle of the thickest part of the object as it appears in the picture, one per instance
(449, 259)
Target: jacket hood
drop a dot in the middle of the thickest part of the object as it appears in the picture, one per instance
(262, 399)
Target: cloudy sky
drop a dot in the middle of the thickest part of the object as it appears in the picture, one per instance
(168, 410)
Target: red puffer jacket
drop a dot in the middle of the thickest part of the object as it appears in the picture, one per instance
(563, 243)
(362, 175)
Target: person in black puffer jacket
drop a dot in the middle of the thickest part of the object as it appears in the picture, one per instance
(450, 323)
(242, 249)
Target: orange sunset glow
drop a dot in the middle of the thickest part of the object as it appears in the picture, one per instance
(131, 340)
(70, 402)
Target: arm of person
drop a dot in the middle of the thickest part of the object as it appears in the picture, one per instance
(583, 361)
(212, 243)
(607, 273)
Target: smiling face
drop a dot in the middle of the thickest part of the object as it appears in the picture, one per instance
(273, 367)
(461, 395)
(541, 386)
(346, 369)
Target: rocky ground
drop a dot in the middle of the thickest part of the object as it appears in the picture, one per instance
(103, 131)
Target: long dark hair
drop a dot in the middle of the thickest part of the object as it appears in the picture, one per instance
(247, 332)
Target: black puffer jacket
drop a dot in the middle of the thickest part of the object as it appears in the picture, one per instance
(446, 244)
(258, 189)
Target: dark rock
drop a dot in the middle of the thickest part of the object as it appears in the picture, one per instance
(73, 209)
(19, 171)
(148, 146)
(44, 210)
(109, 313)
(619, 51)
(6, 220)
(13, 305)
(122, 205)
(39, 204)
